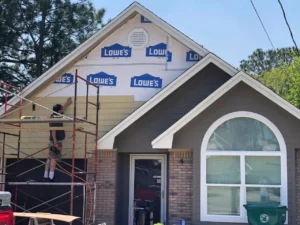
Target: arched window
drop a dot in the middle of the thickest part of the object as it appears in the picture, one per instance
(243, 160)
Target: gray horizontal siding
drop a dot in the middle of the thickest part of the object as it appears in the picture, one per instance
(138, 136)
(241, 98)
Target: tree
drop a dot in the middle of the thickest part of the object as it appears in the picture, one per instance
(278, 70)
(36, 34)
(284, 80)
(261, 61)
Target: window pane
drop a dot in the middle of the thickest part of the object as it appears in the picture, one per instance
(263, 170)
(263, 194)
(243, 134)
(223, 201)
(223, 170)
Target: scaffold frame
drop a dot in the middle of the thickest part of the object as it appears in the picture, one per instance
(16, 125)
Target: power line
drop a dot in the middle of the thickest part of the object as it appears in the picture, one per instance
(288, 25)
(282, 68)
(262, 24)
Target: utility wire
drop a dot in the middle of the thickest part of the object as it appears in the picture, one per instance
(288, 25)
(283, 68)
(262, 24)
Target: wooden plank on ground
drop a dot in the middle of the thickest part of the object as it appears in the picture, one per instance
(65, 218)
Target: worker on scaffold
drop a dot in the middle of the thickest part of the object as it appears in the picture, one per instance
(55, 142)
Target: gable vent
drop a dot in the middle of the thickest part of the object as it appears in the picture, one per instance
(138, 38)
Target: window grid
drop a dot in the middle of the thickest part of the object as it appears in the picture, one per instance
(282, 188)
(243, 186)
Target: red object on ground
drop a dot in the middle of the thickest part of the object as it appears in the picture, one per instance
(6, 216)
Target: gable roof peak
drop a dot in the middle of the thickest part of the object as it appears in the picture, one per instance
(83, 49)
(165, 139)
(107, 140)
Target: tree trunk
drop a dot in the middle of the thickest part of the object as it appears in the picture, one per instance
(39, 53)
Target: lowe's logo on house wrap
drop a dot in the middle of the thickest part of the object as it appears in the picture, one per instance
(192, 56)
(116, 51)
(67, 78)
(144, 20)
(102, 79)
(159, 50)
(146, 81)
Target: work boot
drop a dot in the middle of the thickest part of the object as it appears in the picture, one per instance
(52, 180)
(45, 179)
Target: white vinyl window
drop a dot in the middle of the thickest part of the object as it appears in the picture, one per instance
(243, 160)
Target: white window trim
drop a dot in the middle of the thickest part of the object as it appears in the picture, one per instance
(203, 195)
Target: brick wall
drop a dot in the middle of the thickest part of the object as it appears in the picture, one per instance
(105, 187)
(298, 187)
(180, 186)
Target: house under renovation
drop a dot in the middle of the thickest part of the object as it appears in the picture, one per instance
(157, 122)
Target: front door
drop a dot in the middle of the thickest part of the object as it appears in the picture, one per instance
(147, 201)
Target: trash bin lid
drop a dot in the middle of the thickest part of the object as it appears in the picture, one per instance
(254, 206)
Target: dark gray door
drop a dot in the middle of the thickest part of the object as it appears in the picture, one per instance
(147, 189)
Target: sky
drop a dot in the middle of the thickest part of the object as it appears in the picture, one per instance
(228, 28)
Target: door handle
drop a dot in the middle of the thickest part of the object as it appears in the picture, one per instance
(163, 194)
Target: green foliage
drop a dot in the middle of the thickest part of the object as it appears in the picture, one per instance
(278, 70)
(36, 34)
(284, 80)
(261, 61)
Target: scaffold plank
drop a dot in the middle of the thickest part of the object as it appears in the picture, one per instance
(48, 183)
(39, 128)
(39, 121)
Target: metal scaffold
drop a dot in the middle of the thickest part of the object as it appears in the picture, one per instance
(78, 185)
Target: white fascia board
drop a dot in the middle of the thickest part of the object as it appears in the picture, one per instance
(107, 143)
(108, 138)
(163, 140)
(93, 41)
(271, 95)
(171, 30)
(75, 55)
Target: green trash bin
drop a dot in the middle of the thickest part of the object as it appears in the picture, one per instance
(266, 214)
